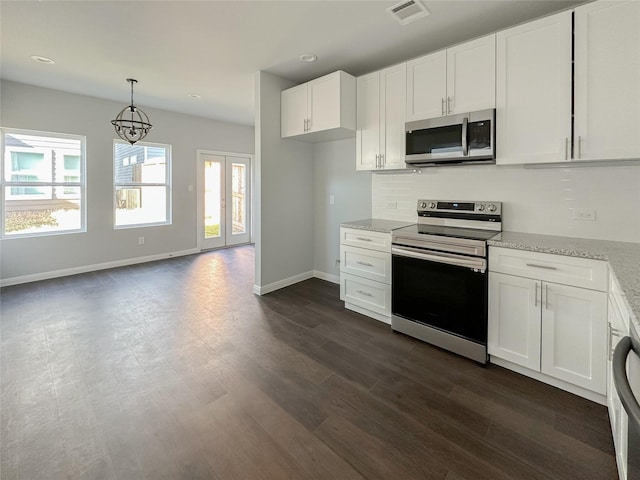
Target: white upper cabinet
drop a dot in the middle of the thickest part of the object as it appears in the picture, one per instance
(457, 80)
(319, 110)
(427, 86)
(380, 119)
(607, 81)
(533, 91)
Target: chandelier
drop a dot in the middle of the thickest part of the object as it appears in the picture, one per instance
(131, 124)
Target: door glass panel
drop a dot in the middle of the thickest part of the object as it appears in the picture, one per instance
(239, 201)
(212, 196)
(435, 140)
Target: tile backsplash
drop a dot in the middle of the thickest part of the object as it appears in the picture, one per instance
(535, 199)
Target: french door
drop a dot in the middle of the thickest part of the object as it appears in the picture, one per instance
(224, 199)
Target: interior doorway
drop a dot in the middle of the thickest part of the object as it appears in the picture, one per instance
(224, 199)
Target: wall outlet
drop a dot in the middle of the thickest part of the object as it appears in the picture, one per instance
(332, 199)
(140, 240)
(190, 188)
(392, 205)
(584, 214)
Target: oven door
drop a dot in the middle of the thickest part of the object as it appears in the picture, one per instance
(444, 291)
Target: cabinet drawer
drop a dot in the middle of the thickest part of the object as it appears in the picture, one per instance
(579, 272)
(366, 263)
(365, 293)
(365, 239)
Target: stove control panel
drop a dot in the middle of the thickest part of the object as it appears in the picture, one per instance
(449, 206)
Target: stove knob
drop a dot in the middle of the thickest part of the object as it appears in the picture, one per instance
(432, 205)
(480, 208)
(423, 205)
(492, 207)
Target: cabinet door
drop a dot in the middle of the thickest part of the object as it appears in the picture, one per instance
(427, 86)
(533, 91)
(514, 319)
(607, 80)
(471, 76)
(393, 89)
(324, 103)
(368, 121)
(574, 335)
(294, 110)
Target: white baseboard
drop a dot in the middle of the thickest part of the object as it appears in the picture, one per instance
(271, 287)
(5, 282)
(326, 276)
(541, 377)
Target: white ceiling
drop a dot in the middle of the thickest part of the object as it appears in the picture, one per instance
(213, 48)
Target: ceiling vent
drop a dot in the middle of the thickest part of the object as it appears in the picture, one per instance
(408, 11)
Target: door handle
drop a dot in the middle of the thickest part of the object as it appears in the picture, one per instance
(535, 300)
(448, 105)
(546, 296)
(366, 294)
(465, 144)
(443, 112)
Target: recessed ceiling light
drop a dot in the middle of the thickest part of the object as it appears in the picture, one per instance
(308, 57)
(197, 96)
(41, 59)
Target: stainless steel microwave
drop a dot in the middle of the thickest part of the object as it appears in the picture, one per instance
(454, 139)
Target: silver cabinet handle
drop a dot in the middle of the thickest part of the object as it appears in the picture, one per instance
(546, 297)
(382, 162)
(365, 264)
(566, 148)
(308, 124)
(448, 105)
(613, 332)
(535, 301)
(363, 239)
(443, 112)
(377, 161)
(579, 146)
(362, 292)
(546, 267)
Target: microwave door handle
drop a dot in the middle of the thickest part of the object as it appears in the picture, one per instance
(465, 143)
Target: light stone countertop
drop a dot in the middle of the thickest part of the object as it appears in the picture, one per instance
(623, 257)
(376, 225)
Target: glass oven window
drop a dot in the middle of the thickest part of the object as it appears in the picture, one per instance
(447, 297)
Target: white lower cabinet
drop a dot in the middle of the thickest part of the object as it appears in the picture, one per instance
(365, 272)
(556, 330)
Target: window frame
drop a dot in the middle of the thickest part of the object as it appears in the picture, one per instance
(81, 184)
(167, 185)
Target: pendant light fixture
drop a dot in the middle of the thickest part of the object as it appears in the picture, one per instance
(131, 124)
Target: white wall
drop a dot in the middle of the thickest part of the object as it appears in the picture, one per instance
(34, 108)
(535, 200)
(284, 193)
(335, 174)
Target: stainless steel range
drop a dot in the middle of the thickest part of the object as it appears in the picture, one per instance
(439, 275)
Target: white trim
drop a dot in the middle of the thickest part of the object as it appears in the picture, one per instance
(368, 313)
(326, 276)
(541, 377)
(5, 282)
(271, 287)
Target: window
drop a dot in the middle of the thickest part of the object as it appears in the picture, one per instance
(142, 174)
(43, 183)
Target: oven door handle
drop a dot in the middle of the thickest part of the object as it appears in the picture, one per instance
(475, 263)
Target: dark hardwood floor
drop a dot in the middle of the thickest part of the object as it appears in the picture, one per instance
(175, 370)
